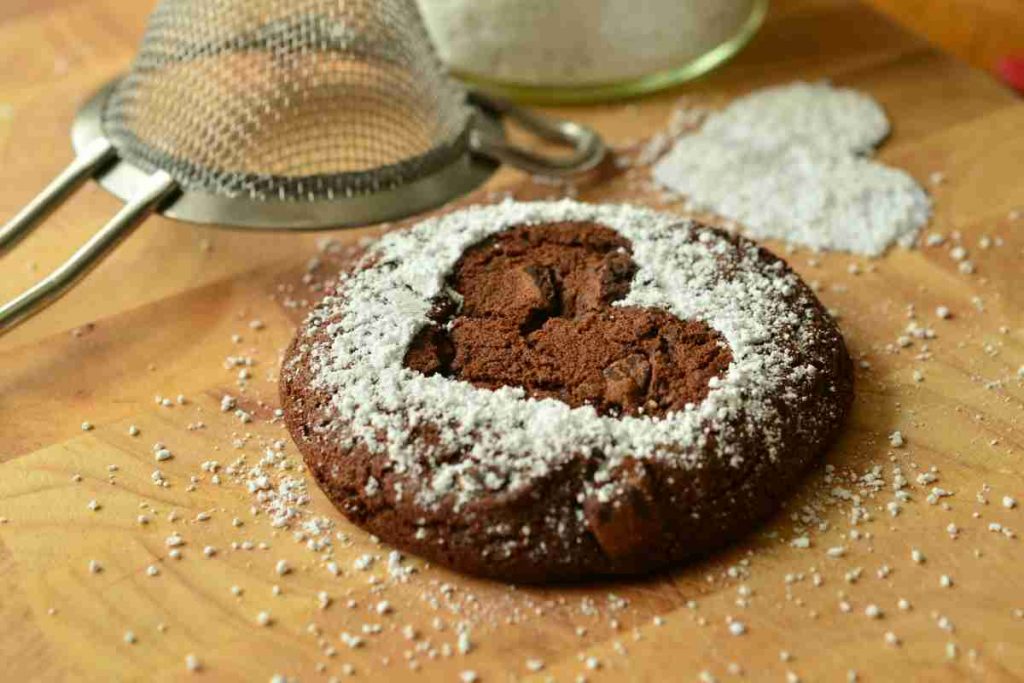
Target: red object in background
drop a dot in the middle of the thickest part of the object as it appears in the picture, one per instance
(1011, 70)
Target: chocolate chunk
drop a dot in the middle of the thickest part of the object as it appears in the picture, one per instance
(535, 293)
(431, 351)
(626, 379)
(626, 524)
(608, 283)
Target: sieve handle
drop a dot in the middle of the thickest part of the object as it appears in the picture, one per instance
(588, 148)
(97, 154)
(156, 189)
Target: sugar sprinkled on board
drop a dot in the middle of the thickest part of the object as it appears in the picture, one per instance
(193, 664)
(790, 162)
(807, 521)
(464, 644)
(828, 117)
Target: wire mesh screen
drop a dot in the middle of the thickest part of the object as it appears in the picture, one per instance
(291, 99)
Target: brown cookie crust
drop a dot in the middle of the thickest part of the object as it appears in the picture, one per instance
(532, 308)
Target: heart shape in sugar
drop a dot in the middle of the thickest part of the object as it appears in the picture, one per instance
(532, 308)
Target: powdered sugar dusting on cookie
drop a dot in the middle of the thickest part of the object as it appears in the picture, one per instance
(508, 440)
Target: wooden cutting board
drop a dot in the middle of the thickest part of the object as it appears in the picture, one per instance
(160, 316)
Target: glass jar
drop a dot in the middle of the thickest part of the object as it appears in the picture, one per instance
(555, 51)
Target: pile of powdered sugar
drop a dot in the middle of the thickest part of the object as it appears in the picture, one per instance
(506, 439)
(790, 163)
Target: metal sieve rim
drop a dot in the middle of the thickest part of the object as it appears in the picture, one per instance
(442, 175)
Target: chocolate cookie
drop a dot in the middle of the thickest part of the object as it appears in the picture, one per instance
(556, 391)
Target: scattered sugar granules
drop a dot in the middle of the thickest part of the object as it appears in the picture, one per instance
(736, 628)
(790, 162)
(464, 644)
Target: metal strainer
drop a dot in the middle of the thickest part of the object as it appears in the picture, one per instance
(283, 114)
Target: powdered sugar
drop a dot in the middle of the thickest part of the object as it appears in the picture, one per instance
(786, 163)
(505, 439)
(837, 119)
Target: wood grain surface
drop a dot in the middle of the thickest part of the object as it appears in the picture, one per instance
(979, 31)
(160, 317)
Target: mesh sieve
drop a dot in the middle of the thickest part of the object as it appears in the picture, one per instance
(295, 99)
(283, 114)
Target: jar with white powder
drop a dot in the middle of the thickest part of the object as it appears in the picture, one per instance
(586, 50)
